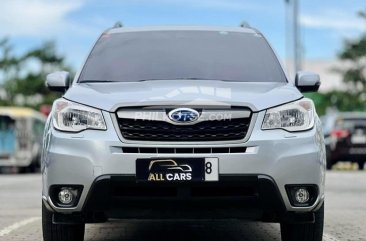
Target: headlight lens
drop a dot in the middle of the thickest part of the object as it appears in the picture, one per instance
(73, 117)
(295, 116)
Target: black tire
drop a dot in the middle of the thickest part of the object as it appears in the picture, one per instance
(60, 232)
(329, 159)
(21, 170)
(329, 164)
(24, 170)
(361, 165)
(33, 168)
(304, 232)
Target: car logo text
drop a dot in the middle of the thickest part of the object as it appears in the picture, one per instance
(183, 115)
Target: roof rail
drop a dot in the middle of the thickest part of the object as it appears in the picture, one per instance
(244, 24)
(118, 24)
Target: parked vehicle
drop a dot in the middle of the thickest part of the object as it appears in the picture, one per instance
(345, 135)
(21, 132)
(183, 122)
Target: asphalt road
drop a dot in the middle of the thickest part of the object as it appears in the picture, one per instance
(20, 203)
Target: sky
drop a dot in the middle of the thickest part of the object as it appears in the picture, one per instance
(76, 24)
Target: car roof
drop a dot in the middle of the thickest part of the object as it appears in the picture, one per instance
(180, 28)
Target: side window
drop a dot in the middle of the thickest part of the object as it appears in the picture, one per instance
(6, 123)
(7, 135)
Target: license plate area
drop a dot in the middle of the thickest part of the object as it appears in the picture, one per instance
(358, 139)
(177, 169)
(357, 151)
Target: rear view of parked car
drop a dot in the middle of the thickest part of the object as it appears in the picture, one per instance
(21, 131)
(345, 135)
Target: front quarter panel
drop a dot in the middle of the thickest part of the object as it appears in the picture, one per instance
(319, 140)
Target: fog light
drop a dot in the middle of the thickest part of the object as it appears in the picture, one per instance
(65, 196)
(302, 195)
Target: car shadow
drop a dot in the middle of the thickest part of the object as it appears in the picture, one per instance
(182, 231)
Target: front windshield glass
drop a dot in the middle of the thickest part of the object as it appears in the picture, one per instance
(169, 55)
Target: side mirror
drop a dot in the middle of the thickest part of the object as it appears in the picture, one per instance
(307, 81)
(58, 81)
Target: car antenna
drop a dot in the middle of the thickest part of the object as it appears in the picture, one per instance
(118, 24)
(244, 24)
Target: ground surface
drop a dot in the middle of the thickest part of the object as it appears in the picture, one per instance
(20, 205)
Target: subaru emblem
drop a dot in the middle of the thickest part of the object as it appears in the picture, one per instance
(183, 115)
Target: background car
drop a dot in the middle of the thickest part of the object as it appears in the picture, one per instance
(21, 131)
(345, 138)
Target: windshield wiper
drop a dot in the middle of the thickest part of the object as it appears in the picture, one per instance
(142, 80)
(225, 80)
(184, 78)
(96, 81)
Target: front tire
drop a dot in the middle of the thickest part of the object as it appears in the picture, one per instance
(60, 232)
(329, 164)
(304, 232)
(329, 160)
(361, 165)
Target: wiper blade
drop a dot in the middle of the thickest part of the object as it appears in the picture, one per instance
(183, 78)
(196, 78)
(224, 80)
(96, 81)
(142, 80)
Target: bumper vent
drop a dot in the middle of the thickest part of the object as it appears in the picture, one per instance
(195, 150)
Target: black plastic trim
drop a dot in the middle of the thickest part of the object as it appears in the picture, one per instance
(261, 201)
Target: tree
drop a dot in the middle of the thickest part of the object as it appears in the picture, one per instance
(353, 97)
(25, 75)
(9, 67)
(337, 101)
(354, 73)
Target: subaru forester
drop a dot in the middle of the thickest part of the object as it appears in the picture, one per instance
(183, 123)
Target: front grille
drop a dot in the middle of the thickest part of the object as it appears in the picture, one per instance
(184, 150)
(212, 130)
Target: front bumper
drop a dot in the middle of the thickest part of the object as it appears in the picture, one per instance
(249, 196)
(285, 158)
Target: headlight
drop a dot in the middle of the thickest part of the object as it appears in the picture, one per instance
(73, 117)
(294, 116)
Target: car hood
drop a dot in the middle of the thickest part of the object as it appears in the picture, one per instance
(111, 96)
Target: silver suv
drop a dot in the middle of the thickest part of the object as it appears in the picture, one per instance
(183, 123)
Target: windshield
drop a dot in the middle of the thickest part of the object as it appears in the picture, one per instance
(168, 55)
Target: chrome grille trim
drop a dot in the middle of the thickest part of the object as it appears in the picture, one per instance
(161, 115)
(234, 124)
